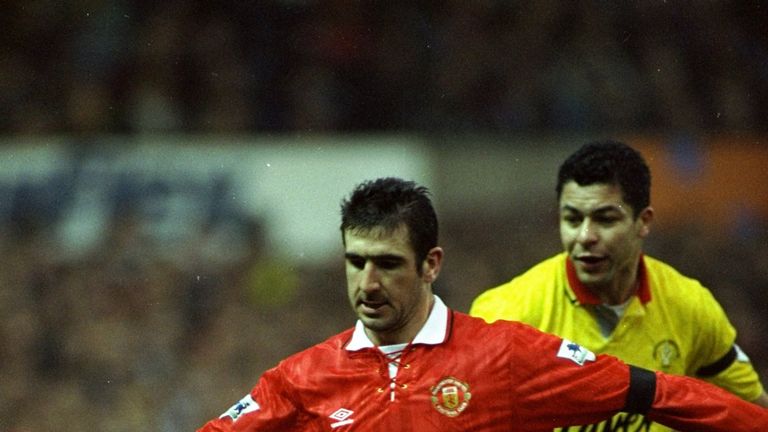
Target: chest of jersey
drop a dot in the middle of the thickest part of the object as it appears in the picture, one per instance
(432, 390)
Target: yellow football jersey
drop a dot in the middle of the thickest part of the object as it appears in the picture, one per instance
(674, 325)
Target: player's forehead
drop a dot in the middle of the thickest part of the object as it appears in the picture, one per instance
(596, 197)
(378, 241)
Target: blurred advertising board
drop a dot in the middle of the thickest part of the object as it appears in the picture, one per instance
(178, 188)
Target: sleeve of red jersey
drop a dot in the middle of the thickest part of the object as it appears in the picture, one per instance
(686, 403)
(560, 383)
(266, 408)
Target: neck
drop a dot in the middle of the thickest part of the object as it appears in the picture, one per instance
(622, 288)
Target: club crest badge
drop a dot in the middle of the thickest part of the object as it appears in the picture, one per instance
(450, 396)
(666, 352)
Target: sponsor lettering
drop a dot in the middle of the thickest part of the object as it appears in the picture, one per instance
(619, 423)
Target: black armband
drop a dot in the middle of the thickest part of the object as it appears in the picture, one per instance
(718, 366)
(642, 390)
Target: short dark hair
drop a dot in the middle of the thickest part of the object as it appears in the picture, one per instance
(388, 203)
(609, 162)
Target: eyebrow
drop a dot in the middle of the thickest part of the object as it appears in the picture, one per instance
(352, 255)
(603, 209)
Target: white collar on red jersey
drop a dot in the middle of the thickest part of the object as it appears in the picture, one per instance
(433, 332)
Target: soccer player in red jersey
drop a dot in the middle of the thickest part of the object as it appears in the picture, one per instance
(412, 364)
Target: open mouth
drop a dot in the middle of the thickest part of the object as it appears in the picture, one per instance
(591, 263)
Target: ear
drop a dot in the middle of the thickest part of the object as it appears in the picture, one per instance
(430, 267)
(645, 219)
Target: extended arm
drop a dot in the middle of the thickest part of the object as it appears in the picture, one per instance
(579, 388)
(688, 404)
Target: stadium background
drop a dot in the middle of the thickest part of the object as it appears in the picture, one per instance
(170, 173)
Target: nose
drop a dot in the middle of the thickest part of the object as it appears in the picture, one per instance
(369, 277)
(587, 233)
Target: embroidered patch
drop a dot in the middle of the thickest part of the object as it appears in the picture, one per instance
(666, 351)
(575, 352)
(243, 406)
(450, 396)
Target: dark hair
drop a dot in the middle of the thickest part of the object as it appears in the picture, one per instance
(609, 162)
(388, 203)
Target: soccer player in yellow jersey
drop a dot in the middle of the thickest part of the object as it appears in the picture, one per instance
(605, 293)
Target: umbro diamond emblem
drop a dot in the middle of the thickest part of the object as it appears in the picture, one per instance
(342, 416)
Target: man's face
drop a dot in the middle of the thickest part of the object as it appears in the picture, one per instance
(601, 236)
(385, 289)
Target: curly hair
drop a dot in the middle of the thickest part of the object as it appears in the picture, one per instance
(609, 162)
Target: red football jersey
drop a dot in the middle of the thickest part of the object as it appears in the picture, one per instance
(461, 374)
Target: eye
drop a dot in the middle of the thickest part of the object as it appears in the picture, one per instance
(606, 219)
(572, 219)
(388, 263)
(356, 262)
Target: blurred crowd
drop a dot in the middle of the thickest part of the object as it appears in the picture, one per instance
(133, 66)
(133, 336)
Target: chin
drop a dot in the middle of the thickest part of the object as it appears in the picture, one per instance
(375, 324)
(592, 279)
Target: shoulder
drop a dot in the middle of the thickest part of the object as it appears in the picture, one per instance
(669, 282)
(683, 296)
(543, 273)
(322, 352)
(502, 332)
(536, 283)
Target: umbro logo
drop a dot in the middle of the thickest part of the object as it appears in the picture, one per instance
(341, 416)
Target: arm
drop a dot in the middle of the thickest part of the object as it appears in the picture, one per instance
(686, 403)
(679, 402)
(723, 363)
(735, 373)
(563, 384)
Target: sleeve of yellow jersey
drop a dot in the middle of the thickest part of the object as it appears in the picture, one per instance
(740, 378)
(727, 365)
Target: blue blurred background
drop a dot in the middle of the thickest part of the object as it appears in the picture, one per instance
(171, 173)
